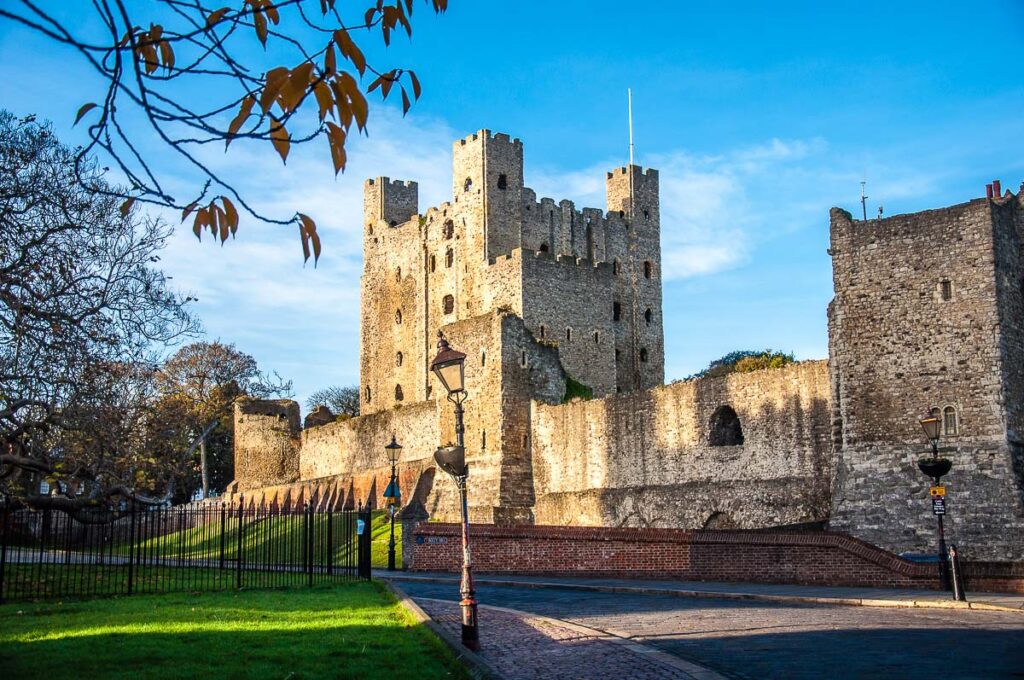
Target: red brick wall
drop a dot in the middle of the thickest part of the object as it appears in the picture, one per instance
(808, 558)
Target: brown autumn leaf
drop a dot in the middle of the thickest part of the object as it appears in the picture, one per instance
(330, 61)
(294, 89)
(406, 104)
(84, 110)
(324, 100)
(336, 140)
(243, 114)
(215, 16)
(231, 214)
(350, 50)
(280, 138)
(260, 23)
(416, 90)
(272, 84)
(167, 55)
(127, 206)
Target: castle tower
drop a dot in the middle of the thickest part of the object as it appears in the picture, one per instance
(927, 318)
(391, 291)
(487, 183)
(633, 196)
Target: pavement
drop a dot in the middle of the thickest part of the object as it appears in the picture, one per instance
(865, 597)
(617, 628)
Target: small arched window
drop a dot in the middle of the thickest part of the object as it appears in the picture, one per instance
(543, 331)
(648, 269)
(502, 182)
(483, 358)
(369, 229)
(398, 316)
(398, 358)
(522, 359)
(615, 267)
(398, 275)
(950, 423)
(483, 439)
(648, 315)
(368, 394)
(597, 337)
(467, 185)
(543, 247)
(449, 229)
(433, 263)
(568, 335)
(725, 429)
(647, 214)
(398, 393)
(618, 355)
(643, 354)
(616, 311)
(449, 304)
(449, 257)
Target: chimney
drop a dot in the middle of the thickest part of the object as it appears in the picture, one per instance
(997, 188)
(988, 190)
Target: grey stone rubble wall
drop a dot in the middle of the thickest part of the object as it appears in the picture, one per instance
(644, 459)
(899, 349)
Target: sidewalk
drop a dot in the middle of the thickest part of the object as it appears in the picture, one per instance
(865, 597)
(525, 646)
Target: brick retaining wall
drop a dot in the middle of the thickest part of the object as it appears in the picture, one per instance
(807, 558)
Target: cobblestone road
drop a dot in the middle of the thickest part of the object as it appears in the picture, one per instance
(749, 639)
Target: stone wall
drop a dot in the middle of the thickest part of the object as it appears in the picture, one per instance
(926, 315)
(646, 458)
(266, 443)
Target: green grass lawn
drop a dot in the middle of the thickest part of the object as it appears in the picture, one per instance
(278, 539)
(354, 630)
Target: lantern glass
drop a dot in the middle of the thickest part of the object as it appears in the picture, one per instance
(394, 450)
(932, 427)
(451, 374)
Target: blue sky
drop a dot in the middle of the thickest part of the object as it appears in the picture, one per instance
(760, 117)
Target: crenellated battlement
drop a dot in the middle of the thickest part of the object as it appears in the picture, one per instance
(486, 134)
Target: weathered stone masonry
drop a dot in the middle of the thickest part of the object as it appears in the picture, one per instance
(928, 314)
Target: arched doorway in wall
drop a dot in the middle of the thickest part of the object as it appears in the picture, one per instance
(720, 520)
(725, 428)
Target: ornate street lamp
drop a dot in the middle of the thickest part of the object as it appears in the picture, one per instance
(449, 367)
(393, 496)
(935, 468)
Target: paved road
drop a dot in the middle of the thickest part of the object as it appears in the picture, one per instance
(748, 639)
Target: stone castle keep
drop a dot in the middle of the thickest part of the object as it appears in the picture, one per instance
(928, 313)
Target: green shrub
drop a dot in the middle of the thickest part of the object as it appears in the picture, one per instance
(745, 361)
(575, 389)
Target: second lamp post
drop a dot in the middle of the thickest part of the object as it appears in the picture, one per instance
(449, 367)
(393, 496)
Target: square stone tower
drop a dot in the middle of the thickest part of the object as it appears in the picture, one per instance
(586, 282)
(928, 316)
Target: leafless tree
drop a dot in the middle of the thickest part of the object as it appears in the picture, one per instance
(341, 400)
(84, 315)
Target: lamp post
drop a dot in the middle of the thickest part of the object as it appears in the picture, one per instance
(393, 496)
(449, 367)
(935, 468)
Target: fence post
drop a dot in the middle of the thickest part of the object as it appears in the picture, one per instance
(330, 543)
(223, 528)
(3, 554)
(238, 564)
(364, 541)
(131, 552)
(309, 543)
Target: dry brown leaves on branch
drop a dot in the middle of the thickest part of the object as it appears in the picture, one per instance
(188, 70)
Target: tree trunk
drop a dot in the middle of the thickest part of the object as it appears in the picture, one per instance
(204, 468)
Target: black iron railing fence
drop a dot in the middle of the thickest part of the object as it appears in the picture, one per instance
(48, 554)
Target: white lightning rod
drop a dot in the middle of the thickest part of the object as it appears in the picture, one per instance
(629, 97)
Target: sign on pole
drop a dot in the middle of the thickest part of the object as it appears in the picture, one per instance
(938, 505)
